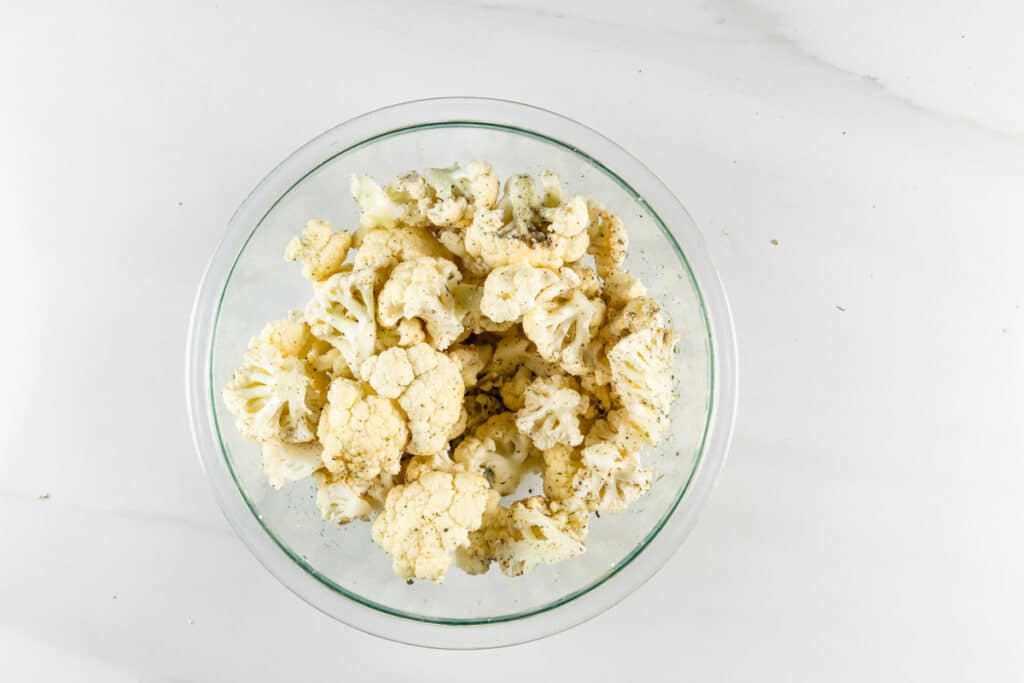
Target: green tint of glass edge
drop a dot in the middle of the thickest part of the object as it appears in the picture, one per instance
(707, 409)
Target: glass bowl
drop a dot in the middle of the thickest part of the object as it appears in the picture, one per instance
(337, 569)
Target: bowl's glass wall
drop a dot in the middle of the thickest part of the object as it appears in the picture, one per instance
(263, 287)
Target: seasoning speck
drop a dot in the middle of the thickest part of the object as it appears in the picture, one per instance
(408, 582)
(46, 496)
(775, 242)
(840, 307)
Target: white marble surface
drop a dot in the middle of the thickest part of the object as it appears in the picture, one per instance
(869, 523)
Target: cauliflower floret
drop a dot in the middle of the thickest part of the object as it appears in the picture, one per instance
(284, 463)
(639, 313)
(454, 240)
(382, 249)
(641, 370)
(525, 228)
(560, 466)
(512, 352)
(275, 397)
(433, 400)
(386, 207)
(509, 291)
(321, 251)
(590, 284)
(617, 429)
(323, 357)
(476, 557)
(424, 521)
(497, 450)
(422, 288)
(550, 413)
(609, 242)
(342, 499)
(459, 191)
(416, 466)
(609, 479)
(362, 434)
(562, 323)
(429, 388)
(459, 429)
(620, 287)
(407, 333)
(540, 531)
(389, 372)
(467, 306)
(513, 392)
(600, 395)
(291, 336)
(471, 359)
(342, 313)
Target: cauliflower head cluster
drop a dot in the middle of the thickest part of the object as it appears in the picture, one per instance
(464, 334)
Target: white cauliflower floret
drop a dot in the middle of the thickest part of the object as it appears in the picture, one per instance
(459, 191)
(639, 313)
(284, 463)
(476, 557)
(609, 242)
(525, 229)
(321, 251)
(432, 401)
(454, 240)
(343, 499)
(609, 479)
(617, 429)
(560, 466)
(385, 207)
(468, 298)
(424, 521)
(540, 531)
(416, 466)
(641, 370)
(275, 397)
(512, 352)
(325, 358)
(550, 413)
(562, 323)
(422, 288)
(600, 395)
(497, 450)
(382, 249)
(362, 434)
(509, 291)
(342, 314)
(620, 287)
(471, 359)
(590, 284)
(291, 336)
(513, 391)
(407, 333)
(389, 372)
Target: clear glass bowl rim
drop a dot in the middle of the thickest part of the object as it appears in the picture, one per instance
(648, 557)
